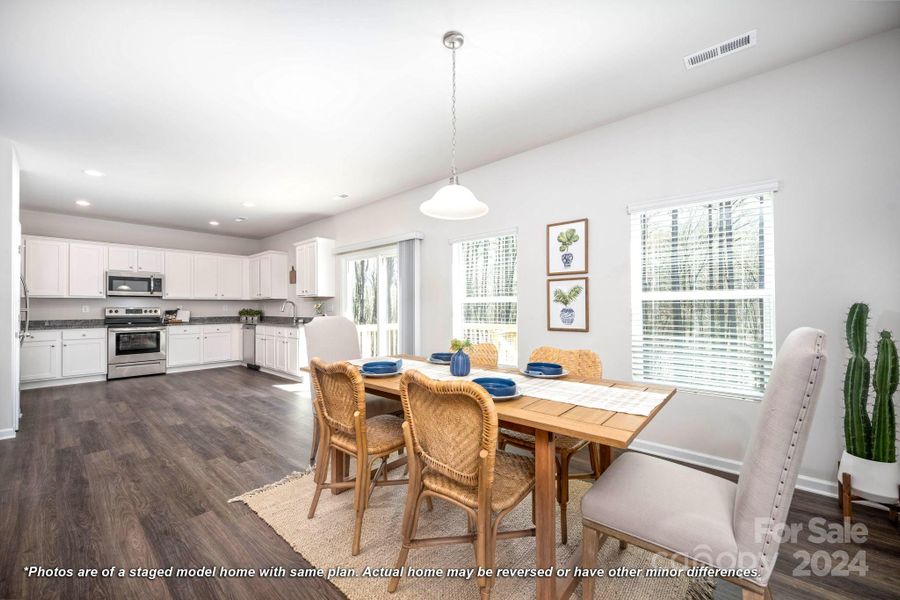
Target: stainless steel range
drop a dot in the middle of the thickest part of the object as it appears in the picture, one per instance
(137, 341)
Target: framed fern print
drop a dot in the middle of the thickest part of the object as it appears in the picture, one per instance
(567, 304)
(567, 248)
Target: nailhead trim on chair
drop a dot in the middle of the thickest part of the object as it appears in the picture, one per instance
(764, 558)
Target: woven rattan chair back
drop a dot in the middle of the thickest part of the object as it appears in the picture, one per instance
(483, 356)
(339, 392)
(450, 422)
(579, 363)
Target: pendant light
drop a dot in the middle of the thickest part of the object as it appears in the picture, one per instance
(454, 201)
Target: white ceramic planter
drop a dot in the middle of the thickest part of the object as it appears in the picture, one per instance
(873, 480)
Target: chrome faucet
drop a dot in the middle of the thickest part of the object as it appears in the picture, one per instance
(294, 318)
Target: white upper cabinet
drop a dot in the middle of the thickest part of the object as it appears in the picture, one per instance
(151, 260)
(231, 277)
(315, 268)
(123, 258)
(206, 276)
(179, 275)
(268, 276)
(47, 267)
(87, 270)
(132, 258)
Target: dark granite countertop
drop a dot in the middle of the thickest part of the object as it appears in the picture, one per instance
(43, 324)
(65, 324)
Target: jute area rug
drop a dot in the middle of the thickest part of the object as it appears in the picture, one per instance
(324, 542)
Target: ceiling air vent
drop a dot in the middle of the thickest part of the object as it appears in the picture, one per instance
(727, 47)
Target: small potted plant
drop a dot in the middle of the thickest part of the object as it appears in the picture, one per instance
(249, 315)
(567, 314)
(460, 365)
(566, 239)
(870, 458)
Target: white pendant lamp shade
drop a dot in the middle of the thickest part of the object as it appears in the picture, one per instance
(454, 202)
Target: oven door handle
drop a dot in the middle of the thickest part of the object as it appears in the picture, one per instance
(135, 329)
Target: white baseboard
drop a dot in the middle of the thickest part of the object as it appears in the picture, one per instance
(7, 434)
(33, 385)
(728, 465)
(297, 378)
(188, 368)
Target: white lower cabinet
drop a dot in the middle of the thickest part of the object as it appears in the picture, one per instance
(281, 349)
(62, 354)
(83, 352)
(190, 345)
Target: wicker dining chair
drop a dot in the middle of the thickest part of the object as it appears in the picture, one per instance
(579, 363)
(343, 427)
(483, 356)
(450, 430)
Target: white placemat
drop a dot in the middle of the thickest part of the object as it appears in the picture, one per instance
(635, 402)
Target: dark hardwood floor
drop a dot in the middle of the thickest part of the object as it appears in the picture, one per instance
(137, 473)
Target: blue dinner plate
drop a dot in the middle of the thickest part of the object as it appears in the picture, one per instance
(382, 366)
(441, 357)
(544, 368)
(498, 387)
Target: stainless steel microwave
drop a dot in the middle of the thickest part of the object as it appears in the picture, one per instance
(134, 283)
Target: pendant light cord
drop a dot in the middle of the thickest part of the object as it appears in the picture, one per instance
(453, 178)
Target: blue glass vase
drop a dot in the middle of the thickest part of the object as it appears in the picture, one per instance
(460, 365)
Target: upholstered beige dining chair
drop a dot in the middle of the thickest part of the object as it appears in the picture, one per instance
(450, 430)
(343, 427)
(579, 363)
(335, 338)
(700, 519)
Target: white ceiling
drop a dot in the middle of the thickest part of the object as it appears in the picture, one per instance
(192, 108)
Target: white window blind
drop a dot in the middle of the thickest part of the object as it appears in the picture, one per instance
(485, 293)
(703, 304)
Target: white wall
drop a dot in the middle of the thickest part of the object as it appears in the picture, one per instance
(100, 230)
(827, 128)
(9, 288)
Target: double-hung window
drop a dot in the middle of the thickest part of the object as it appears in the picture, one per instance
(703, 294)
(485, 293)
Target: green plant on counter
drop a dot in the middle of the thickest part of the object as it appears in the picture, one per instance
(249, 312)
(871, 439)
(456, 344)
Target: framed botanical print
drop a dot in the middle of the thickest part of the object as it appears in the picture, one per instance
(567, 248)
(567, 304)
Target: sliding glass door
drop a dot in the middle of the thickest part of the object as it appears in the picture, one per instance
(371, 281)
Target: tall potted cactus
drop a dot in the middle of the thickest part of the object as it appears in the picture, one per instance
(870, 456)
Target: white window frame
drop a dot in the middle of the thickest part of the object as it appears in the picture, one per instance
(458, 284)
(767, 293)
(382, 307)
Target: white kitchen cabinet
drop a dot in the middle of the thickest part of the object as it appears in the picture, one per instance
(87, 270)
(260, 349)
(47, 267)
(231, 278)
(122, 258)
(268, 276)
(314, 260)
(151, 260)
(83, 352)
(271, 357)
(281, 349)
(206, 276)
(281, 352)
(216, 346)
(179, 275)
(40, 356)
(185, 349)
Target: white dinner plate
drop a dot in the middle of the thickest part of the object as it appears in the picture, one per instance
(439, 362)
(542, 376)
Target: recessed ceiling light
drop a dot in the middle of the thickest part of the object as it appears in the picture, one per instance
(341, 196)
(240, 219)
(214, 223)
(82, 202)
(92, 173)
(249, 204)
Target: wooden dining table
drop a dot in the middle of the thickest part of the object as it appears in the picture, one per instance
(545, 419)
